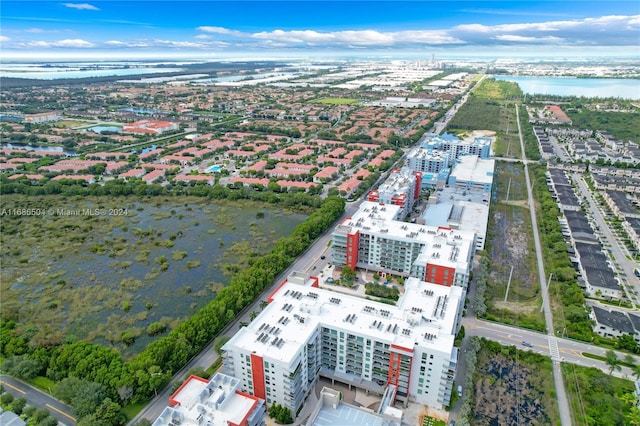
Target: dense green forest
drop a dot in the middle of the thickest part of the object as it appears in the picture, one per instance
(622, 125)
(597, 398)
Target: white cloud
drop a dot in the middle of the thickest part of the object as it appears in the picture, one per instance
(118, 43)
(523, 39)
(75, 43)
(358, 38)
(182, 44)
(612, 30)
(3, 38)
(80, 6)
(220, 30)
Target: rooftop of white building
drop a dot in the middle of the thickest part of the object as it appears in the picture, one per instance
(451, 247)
(469, 168)
(215, 402)
(425, 315)
(398, 181)
(421, 153)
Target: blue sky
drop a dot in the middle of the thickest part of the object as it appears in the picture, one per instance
(221, 29)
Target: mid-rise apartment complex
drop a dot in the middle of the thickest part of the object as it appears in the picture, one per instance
(306, 332)
(479, 146)
(435, 156)
(372, 239)
(402, 188)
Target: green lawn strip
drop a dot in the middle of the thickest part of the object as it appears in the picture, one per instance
(132, 410)
(430, 421)
(42, 383)
(604, 359)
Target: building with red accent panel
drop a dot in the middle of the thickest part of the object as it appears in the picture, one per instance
(401, 188)
(373, 239)
(307, 332)
(215, 402)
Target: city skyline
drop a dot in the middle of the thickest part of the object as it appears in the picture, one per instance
(212, 30)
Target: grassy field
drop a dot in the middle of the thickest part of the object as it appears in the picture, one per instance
(512, 387)
(596, 398)
(66, 124)
(491, 107)
(336, 101)
(510, 244)
(430, 421)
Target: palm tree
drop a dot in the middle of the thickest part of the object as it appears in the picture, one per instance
(633, 417)
(629, 398)
(253, 315)
(636, 371)
(612, 361)
(263, 304)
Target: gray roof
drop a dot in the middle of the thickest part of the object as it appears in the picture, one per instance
(624, 204)
(601, 277)
(9, 418)
(613, 319)
(635, 320)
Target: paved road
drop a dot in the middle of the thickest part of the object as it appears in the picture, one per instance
(37, 398)
(570, 351)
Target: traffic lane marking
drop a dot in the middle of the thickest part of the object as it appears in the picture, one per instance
(13, 387)
(60, 411)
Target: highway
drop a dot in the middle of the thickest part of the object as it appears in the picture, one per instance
(37, 398)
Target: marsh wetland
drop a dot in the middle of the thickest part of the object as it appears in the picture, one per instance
(121, 279)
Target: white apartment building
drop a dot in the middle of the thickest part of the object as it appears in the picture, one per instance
(373, 240)
(215, 402)
(428, 161)
(305, 332)
(401, 188)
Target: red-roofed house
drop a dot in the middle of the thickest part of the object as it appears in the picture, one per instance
(349, 185)
(133, 173)
(196, 178)
(325, 173)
